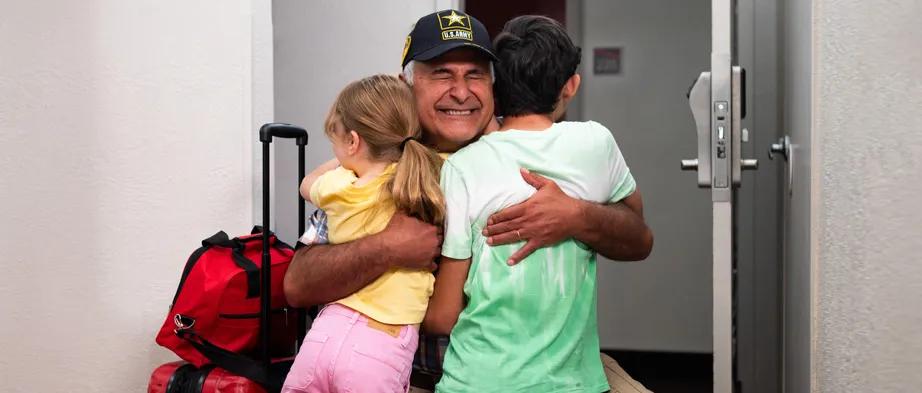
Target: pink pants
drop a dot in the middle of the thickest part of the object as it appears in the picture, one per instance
(344, 352)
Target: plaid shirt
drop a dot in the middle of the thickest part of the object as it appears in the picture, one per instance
(431, 348)
(316, 232)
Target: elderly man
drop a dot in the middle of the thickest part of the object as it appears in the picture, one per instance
(447, 61)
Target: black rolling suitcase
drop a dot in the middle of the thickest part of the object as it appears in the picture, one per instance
(229, 371)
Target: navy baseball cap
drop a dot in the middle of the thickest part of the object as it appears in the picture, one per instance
(442, 31)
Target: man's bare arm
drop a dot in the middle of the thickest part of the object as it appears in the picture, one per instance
(616, 230)
(321, 274)
(324, 273)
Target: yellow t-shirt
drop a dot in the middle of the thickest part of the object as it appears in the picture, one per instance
(398, 297)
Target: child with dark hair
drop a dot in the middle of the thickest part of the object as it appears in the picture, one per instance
(537, 61)
(530, 327)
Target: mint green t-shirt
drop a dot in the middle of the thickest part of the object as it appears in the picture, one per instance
(529, 327)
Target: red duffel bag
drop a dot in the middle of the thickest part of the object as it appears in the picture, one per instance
(216, 309)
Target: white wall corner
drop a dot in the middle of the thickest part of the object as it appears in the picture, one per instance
(262, 102)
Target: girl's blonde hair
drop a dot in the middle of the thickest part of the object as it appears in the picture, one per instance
(382, 110)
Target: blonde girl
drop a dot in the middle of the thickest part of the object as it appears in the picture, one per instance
(366, 341)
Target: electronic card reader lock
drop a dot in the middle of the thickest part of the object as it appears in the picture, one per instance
(719, 136)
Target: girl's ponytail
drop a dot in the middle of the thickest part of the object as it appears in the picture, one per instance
(414, 187)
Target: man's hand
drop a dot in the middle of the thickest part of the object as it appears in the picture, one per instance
(616, 231)
(544, 219)
(411, 243)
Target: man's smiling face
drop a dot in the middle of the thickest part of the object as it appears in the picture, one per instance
(454, 96)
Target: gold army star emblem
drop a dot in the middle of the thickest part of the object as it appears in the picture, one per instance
(456, 27)
(455, 18)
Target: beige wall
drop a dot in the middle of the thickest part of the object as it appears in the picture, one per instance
(867, 173)
(126, 135)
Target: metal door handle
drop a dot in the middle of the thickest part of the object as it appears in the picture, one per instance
(699, 101)
(690, 165)
(786, 150)
(783, 147)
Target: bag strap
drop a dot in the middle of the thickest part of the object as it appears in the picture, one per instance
(221, 239)
(252, 272)
(218, 239)
(278, 243)
(236, 363)
(186, 270)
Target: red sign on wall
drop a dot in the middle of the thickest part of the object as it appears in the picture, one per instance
(606, 61)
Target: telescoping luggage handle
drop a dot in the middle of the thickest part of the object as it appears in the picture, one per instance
(260, 371)
(266, 133)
